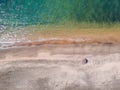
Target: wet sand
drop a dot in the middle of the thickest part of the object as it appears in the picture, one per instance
(60, 67)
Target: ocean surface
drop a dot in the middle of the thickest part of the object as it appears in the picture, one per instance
(15, 15)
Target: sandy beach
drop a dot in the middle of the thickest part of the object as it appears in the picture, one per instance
(60, 67)
(59, 45)
(44, 57)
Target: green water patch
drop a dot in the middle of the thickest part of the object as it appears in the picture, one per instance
(32, 12)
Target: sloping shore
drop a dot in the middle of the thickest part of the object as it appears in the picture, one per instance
(55, 41)
(61, 42)
(57, 51)
(45, 61)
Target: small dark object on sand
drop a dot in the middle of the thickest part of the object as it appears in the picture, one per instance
(85, 61)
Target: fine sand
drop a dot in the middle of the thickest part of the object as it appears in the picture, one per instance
(60, 67)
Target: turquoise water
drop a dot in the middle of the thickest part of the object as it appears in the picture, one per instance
(16, 14)
(22, 12)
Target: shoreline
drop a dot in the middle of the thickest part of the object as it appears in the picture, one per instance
(59, 52)
(55, 41)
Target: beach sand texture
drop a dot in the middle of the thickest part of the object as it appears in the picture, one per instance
(60, 67)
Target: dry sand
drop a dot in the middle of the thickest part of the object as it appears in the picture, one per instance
(59, 67)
